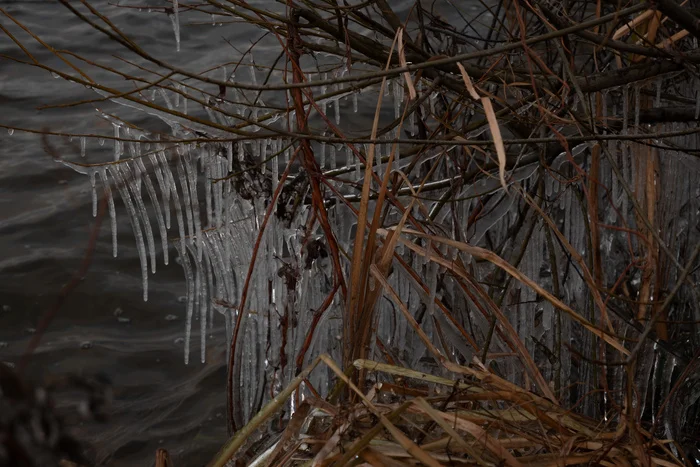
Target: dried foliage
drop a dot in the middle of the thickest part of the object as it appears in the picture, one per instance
(505, 265)
(420, 419)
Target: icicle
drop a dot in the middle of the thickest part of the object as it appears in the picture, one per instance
(625, 109)
(667, 379)
(396, 87)
(201, 291)
(170, 179)
(697, 99)
(211, 114)
(94, 193)
(141, 168)
(192, 178)
(229, 155)
(240, 149)
(189, 280)
(112, 211)
(323, 154)
(336, 109)
(332, 156)
(275, 168)
(175, 19)
(185, 196)
(168, 103)
(354, 102)
(253, 78)
(264, 143)
(176, 95)
(432, 99)
(163, 185)
(121, 184)
(135, 187)
(209, 309)
(207, 192)
(219, 195)
(117, 143)
(637, 104)
(82, 146)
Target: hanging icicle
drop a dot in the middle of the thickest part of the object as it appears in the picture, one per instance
(175, 19)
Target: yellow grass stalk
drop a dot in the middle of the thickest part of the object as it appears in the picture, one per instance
(413, 374)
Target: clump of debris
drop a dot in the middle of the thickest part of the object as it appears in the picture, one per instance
(32, 431)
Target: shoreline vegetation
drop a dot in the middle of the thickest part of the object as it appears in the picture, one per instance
(438, 234)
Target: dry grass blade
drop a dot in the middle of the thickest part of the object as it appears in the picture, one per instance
(436, 416)
(377, 459)
(493, 125)
(451, 421)
(402, 61)
(325, 452)
(370, 435)
(410, 447)
(408, 373)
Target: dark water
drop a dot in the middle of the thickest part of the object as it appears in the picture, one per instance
(45, 223)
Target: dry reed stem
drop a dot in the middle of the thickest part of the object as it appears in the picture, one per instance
(493, 125)
(358, 318)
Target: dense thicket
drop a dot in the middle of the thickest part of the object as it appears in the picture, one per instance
(455, 188)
